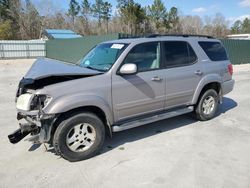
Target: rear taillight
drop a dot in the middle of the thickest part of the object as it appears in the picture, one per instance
(230, 69)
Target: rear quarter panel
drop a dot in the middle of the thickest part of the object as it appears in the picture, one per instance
(213, 71)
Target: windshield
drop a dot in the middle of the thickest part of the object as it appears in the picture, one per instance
(102, 57)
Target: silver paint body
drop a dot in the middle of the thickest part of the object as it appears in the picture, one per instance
(124, 97)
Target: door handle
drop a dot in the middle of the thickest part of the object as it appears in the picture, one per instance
(156, 78)
(198, 72)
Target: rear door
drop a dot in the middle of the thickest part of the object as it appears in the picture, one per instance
(183, 72)
(144, 92)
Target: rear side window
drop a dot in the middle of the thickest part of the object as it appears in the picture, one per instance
(178, 53)
(214, 50)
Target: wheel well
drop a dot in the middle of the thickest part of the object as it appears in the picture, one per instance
(95, 110)
(213, 85)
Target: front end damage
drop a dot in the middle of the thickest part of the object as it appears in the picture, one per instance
(30, 104)
(32, 120)
(36, 123)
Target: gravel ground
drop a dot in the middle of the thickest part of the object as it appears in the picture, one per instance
(178, 152)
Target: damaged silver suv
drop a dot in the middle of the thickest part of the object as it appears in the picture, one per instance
(119, 85)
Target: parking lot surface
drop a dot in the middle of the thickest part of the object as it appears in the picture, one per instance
(177, 152)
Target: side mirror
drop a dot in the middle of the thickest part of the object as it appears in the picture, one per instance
(128, 68)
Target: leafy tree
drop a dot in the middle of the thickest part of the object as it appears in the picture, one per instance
(86, 9)
(9, 11)
(32, 23)
(19, 19)
(246, 25)
(106, 13)
(22, 16)
(122, 3)
(241, 26)
(102, 11)
(86, 12)
(172, 18)
(5, 30)
(132, 14)
(162, 19)
(73, 11)
(237, 27)
(97, 10)
(4, 9)
(157, 13)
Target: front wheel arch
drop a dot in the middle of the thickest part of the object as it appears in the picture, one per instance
(60, 139)
(93, 109)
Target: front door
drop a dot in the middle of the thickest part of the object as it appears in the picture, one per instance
(143, 92)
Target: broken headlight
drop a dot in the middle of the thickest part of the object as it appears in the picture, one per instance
(39, 102)
(23, 101)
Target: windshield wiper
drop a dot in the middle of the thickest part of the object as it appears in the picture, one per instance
(93, 68)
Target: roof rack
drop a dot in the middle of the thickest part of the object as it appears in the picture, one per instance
(178, 35)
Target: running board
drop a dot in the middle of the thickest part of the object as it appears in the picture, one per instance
(152, 119)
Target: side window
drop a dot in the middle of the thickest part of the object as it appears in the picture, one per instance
(178, 53)
(146, 56)
(214, 50)
(191, 53)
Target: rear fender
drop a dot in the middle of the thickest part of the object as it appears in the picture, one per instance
(203, 82)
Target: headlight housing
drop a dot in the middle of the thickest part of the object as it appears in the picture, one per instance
(30, 101)
(39, 102)
(23, 101)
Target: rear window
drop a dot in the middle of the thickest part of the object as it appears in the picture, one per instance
(214, 50)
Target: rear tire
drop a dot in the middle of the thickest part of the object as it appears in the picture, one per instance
(79, 137)
(207, 106)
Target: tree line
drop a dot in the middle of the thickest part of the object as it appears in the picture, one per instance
(20, 19)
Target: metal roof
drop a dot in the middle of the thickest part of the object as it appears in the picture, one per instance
(60, 34)
(239, 36)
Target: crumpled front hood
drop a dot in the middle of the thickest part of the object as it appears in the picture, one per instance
(45, 67)
(46, 72)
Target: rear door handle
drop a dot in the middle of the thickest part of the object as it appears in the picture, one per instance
(156, 78)
(198, 72)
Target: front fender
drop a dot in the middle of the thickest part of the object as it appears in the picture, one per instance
(70, 102)
(204, 81)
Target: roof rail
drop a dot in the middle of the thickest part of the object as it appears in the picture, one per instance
(178, 35)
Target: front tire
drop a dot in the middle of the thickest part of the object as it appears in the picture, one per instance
(207, 106)
(79, 137)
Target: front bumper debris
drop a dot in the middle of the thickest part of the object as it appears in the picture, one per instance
(23, 131)
(38, 126)
(17, 136)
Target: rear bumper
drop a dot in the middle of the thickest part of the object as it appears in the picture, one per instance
(227, 86)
